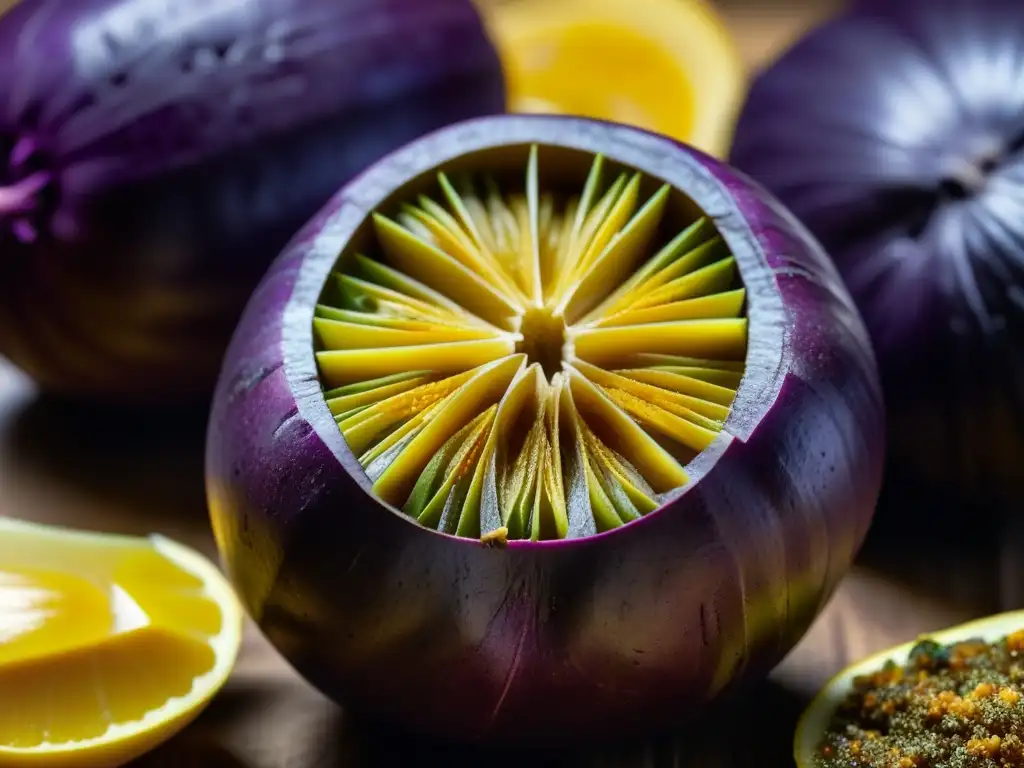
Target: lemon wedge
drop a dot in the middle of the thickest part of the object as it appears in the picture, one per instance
(815, 721)
(668, 66)
(109, 644)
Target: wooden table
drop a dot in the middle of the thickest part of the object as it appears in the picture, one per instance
(62, 466)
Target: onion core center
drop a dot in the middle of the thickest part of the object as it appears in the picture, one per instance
(543, 339)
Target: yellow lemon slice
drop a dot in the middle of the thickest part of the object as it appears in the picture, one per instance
(109, 644)
(668, 66)
(815, 721)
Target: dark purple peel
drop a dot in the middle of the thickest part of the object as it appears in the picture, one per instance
(181, 144)
(541, 642)
(895, 132)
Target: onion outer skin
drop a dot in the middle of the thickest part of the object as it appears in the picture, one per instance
(545, 642)
(188, 141)
(858, 128)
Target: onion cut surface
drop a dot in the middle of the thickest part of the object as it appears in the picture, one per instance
(429, 360)
(669, 66)
(109, 644)
(815, 721)
(592, 368)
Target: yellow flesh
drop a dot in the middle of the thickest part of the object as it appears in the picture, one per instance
(598, 358)
(669, 66)
(108, 644)
(816, 718)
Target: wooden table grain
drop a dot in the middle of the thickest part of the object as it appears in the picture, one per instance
(143, 473)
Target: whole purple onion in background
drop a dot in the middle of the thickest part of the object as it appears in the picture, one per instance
(554, 640)
(155, 156)
(896, 134)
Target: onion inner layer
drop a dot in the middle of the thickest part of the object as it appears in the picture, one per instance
(525, 364)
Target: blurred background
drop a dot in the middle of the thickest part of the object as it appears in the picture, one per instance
(762, 29)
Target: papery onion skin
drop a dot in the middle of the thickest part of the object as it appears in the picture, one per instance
(546, 642)
(184, 142)
(894, 132)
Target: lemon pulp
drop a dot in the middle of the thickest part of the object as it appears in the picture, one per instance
(108, 644)
(668, 66)
(546, 78)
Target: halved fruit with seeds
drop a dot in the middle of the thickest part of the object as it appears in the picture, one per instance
(506, 348)
(108, 644)
(543, 424)
(953, 697)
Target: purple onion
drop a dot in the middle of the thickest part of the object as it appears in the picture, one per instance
(156, 156)
(549, 641)
(895, 132)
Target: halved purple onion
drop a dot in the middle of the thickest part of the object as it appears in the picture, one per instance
(481, 629)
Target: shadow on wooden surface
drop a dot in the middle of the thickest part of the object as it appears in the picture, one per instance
(190, 754)
(765, 718)
(971, 559)
(145, 466)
